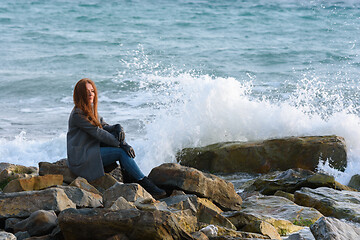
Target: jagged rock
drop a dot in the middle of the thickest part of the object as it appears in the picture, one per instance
(10, 172)
(33, 183)
(304, 234)
(22, 204)
(182, 202)
(103, 183)
(331, 202)
(122, 204)
(10, 222)
(81, 197)
(130, 191)
(283, 214)
(7, 236)
(82, 183)
(191, 180)
(287, 195)
(135, 224)
(150, 204)
(39, 223)
(290, 181)
(264, 228)
(327, 228)
(355, 182)
(59, 167)
(268, 155)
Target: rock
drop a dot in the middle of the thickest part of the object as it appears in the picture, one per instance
(334, 229)
(355, 182)
(122, 204)
(129, 191)
(7, 236)
(10, 172)
(199, 236)
(33, 183)
(289, 196)
(182, 202)
(304, 234)
(59, 167)
(118, 237)
(81, 197)
(115, 171)
(225, 233)
(22, 235)
(150, 204)
(290, 181)
(22, 204)
(10, 222)
(39, 223)
(210, 231)
(103, 183)
(268, 155)
(135, 224)
(331, 202)
(264, 228)
(283, 214)
(191, 180)
(82, 183)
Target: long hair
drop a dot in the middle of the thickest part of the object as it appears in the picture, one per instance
(81, 101)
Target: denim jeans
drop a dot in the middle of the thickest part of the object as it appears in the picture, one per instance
(112, 154)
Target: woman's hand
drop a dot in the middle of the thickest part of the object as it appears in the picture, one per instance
(128, 149)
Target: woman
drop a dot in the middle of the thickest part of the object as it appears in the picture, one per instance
(86, 157)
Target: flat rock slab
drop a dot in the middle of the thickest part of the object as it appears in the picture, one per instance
(327, 228)
(22, 204)
(268, 155)
(174, 176)
(331, 202)
(78, 224)
(33, 183)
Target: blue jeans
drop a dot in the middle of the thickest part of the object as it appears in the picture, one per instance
(112, 154)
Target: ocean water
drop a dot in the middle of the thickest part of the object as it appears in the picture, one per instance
(180, 73)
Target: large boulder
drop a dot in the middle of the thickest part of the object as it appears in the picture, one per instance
(290, 181)
(9, 172)
(95, 224)
(355, 182)
(59, 167)
(331, 202)
(327, 228)
(33, 183)
(174, 176)
(268, 155)
(22, 204)
(38, 223)
(81, 197)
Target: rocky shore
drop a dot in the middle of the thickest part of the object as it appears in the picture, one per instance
(284, 202)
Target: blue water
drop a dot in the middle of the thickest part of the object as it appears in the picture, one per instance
(180, 73)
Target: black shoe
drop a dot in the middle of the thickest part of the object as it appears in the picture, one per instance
(151, 188)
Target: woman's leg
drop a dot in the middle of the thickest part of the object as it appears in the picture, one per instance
(112, 154)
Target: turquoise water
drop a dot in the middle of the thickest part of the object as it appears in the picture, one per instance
(180, 73)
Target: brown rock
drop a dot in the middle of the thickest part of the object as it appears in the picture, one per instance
(355, 182)
(82, 183)
(264, 228)
(82, 198)
(103, 183)
(191, 180)
(33, 183)
(39, 223)
(59, 167)
(268, 155)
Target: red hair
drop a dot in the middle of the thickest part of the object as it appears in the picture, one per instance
(81, 101)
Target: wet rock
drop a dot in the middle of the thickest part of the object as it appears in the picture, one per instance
(33, 183)
(81, 197)
(22, 204)
(268, 155)
(327, 228)
(82, 183)
(130, 192)
(59, 167)
(135, 224)
(290, 181)
(122, 204)
(38, 223)
(190, 180)
(7, 236)
(103, 183)
(331, 202)
(355, 182)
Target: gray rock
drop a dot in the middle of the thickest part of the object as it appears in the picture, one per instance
(82, 183)
(10, 222)
(122, 204)
(304, 234)
(327, 228)
(190, 180)
(355, 182)
(7, 236)
(22, 204)
(81, 197)
(331, 202)
(130, 192)
(39, 223)
(22, 235)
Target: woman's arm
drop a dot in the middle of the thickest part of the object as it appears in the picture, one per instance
(100, 134)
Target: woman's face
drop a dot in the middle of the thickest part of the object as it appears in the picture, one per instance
(91, 92)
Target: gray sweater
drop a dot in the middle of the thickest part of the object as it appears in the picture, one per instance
(83, 146)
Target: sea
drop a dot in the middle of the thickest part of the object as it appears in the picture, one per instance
(180, 73)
